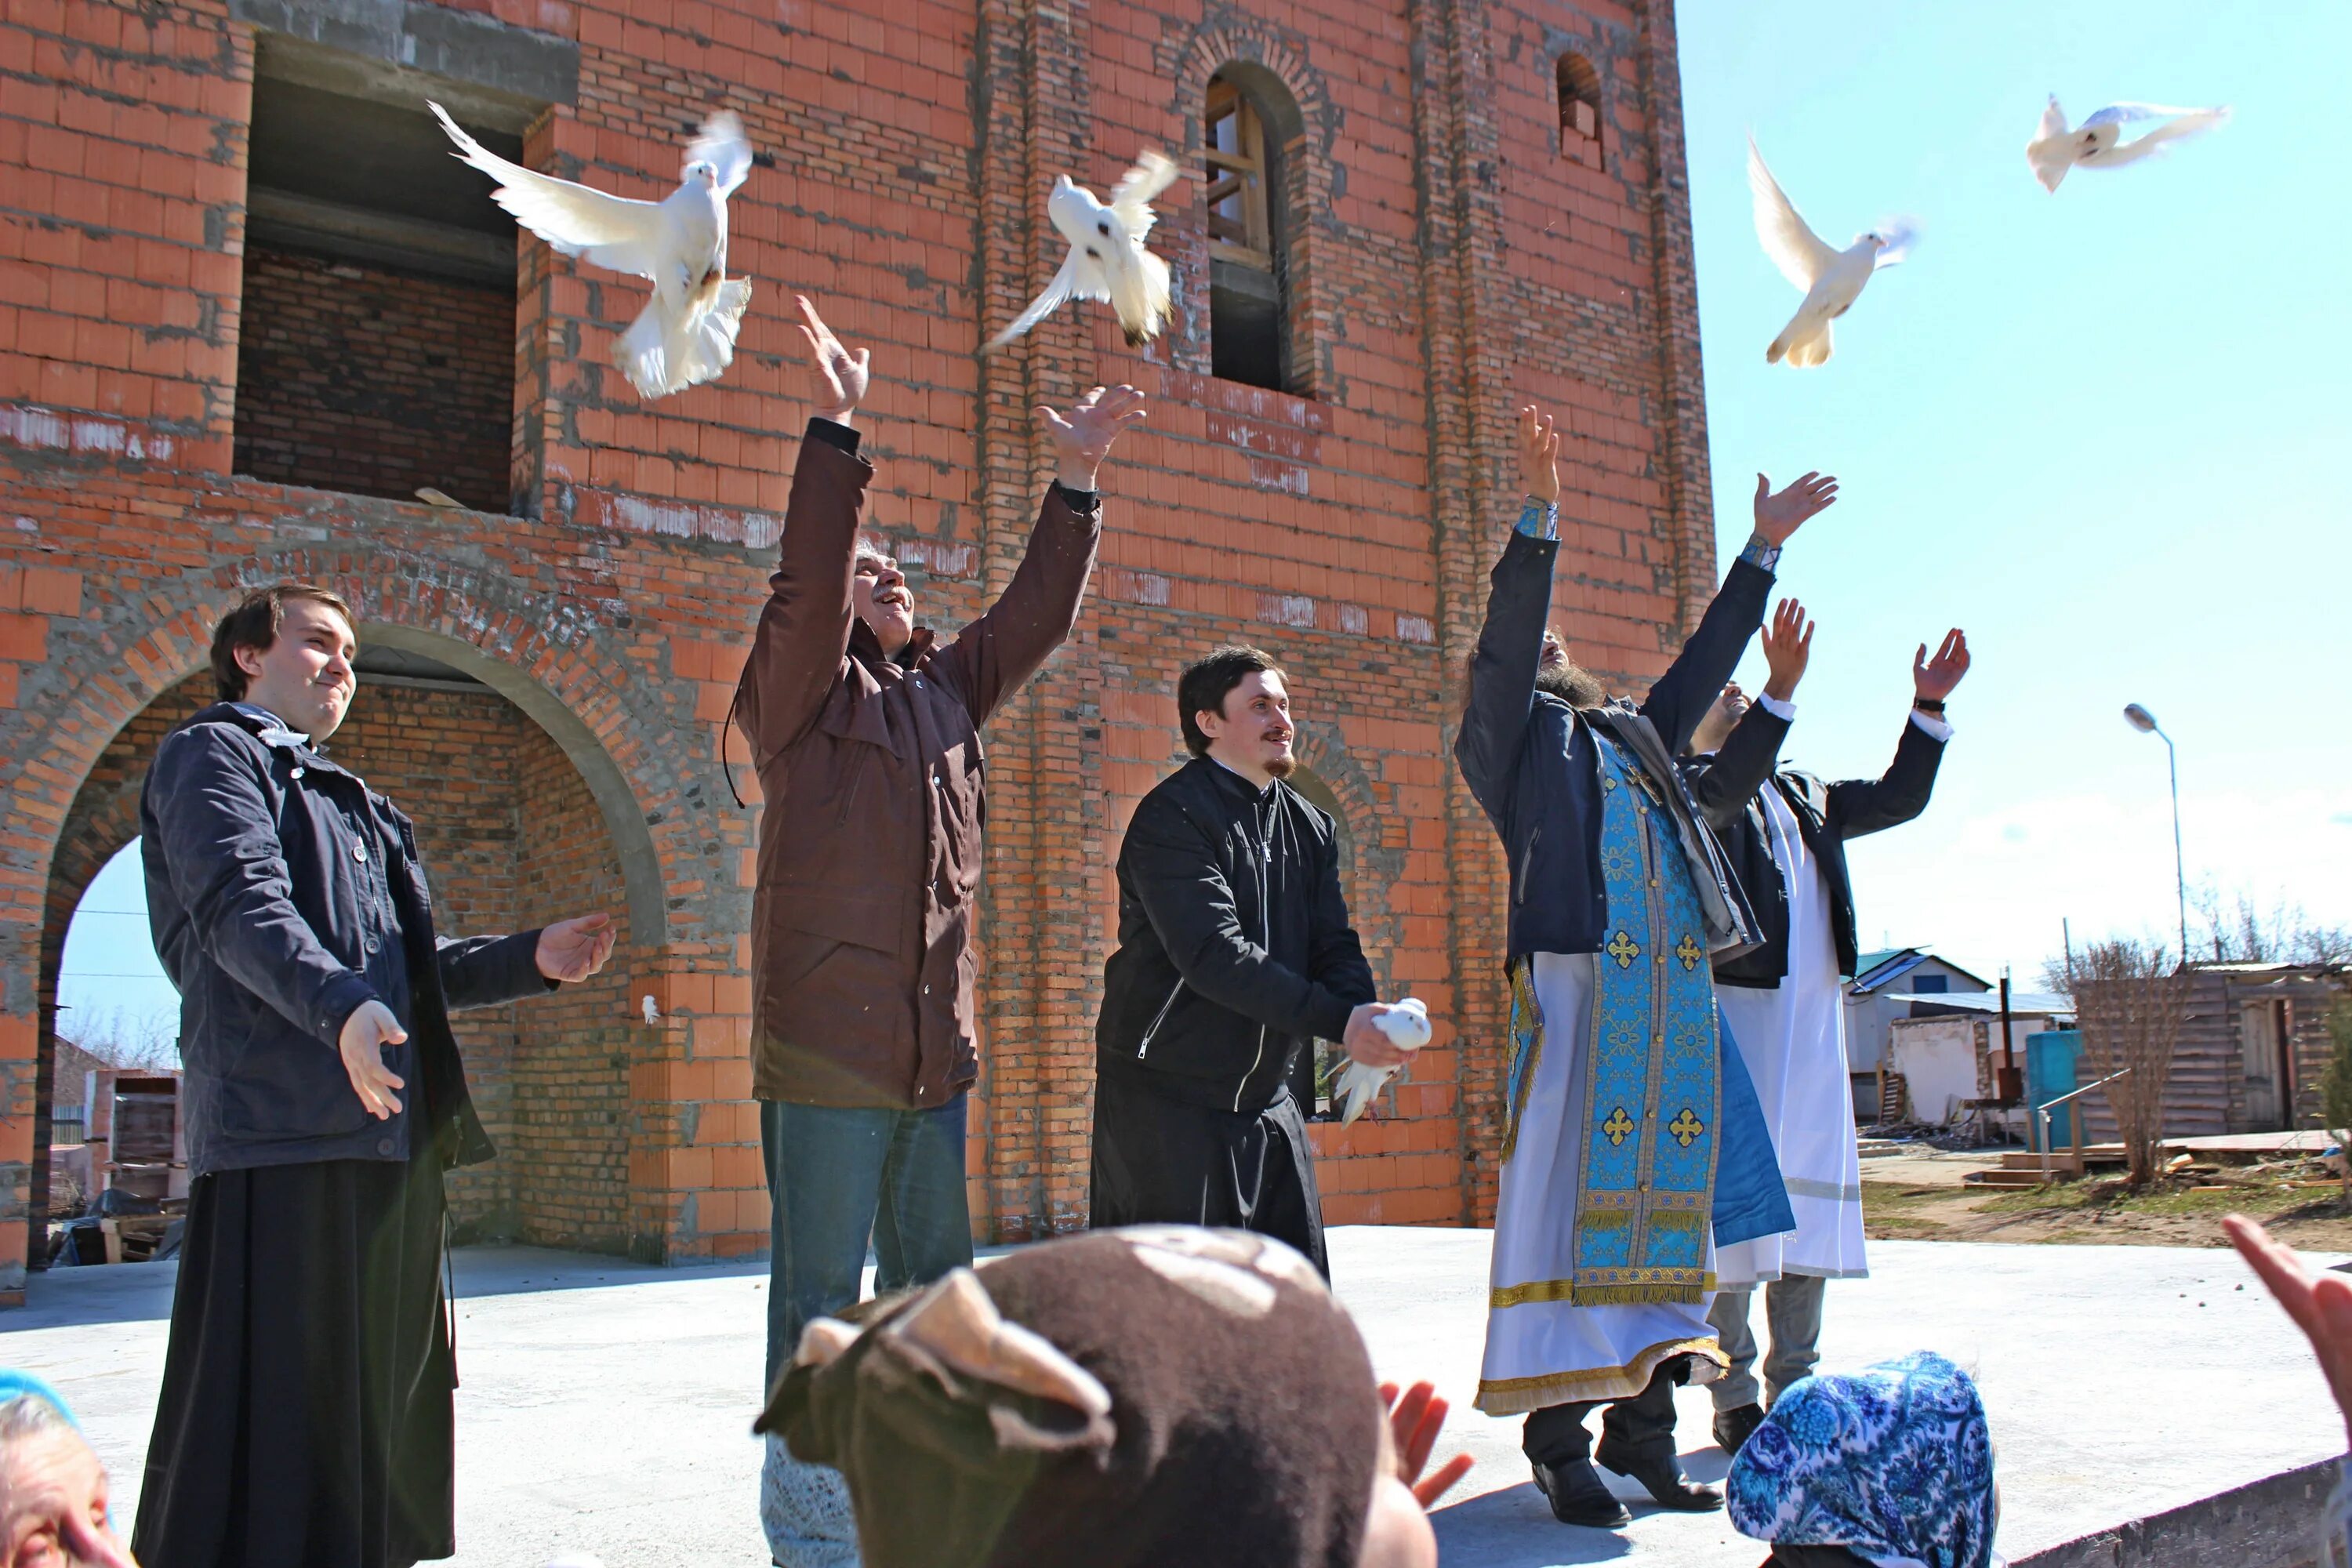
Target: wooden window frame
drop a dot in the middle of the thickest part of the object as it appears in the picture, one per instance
(1248, 241)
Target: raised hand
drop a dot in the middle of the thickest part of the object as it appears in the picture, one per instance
(837, 381)
(1788, 646)
(1538, 454)
(1084, 434)
(2321, 1305)
(1414, 1422)
(1779, 516)
(365, 1033)
(575, 949)
(1932, 679)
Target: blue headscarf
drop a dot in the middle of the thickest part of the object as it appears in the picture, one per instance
(15, 1385)
(1893, 1463)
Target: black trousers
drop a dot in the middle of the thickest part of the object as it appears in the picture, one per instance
(1631, 1429)
(1158, 1161)
(304, 1419)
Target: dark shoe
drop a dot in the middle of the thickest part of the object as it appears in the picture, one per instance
(1661, 1474)
(1579, 1496)
(1736, 1425)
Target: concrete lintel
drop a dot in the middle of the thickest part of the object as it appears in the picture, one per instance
(402, 52)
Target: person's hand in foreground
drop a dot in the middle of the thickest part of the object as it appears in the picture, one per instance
(1397, 1532)
(2320, 1304)
(1414, 1421)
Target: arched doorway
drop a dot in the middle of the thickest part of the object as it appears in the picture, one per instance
(522, 817)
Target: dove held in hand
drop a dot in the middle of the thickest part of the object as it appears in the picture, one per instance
(1107, 261)
(1406, 1024)
(686, 334)
(2098, 143)
(1833, 280)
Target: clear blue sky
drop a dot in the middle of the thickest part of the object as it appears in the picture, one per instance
(2092, 429)
(2095, 429)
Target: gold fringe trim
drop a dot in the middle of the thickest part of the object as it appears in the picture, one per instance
(1523, 992)
(1517, 1395)
(1536, 1292)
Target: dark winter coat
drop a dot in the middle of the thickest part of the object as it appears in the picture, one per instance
(1235, 951)
(283, 893)
(1533, 768)
(1827, 814)
(869, 859)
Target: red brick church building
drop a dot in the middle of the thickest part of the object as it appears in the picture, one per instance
(248, 307)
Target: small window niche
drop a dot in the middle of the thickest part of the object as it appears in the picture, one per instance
(376, 349)
(1249, 264)
(1580, 110)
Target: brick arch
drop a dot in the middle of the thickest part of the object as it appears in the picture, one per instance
(557, 661)
(550, 657)
(1374, 863)
(1273, 65)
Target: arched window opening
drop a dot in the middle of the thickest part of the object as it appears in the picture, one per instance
(1580, 110)
(1249, 304)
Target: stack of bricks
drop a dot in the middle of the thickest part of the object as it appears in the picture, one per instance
(1446, 264)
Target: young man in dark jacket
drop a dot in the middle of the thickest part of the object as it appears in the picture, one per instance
(865, 728)
(1234, 956)
(305, 1414)
(1785, 835)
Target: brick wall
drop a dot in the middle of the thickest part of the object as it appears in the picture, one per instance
(372, 381)
(1446, 263)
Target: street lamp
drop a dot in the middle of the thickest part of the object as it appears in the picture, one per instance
(2140, 718)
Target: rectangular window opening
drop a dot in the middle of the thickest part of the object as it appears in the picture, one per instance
(377, 354)
(1248, 322)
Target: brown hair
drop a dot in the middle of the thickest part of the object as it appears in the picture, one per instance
(1203, 686)
(255, 623)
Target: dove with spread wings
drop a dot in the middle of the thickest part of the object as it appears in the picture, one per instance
(2098, 143)
(1107, 261)
(686, 334)
(1833, 280)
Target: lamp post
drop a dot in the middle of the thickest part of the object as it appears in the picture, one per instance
(2140, 718)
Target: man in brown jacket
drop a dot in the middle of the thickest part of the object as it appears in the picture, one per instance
(865, 732)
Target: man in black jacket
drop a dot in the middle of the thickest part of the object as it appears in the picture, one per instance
(305, 1414)
(1785, 834)
(1632, 1143)
(1234, 955)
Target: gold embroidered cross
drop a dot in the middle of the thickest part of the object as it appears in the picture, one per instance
(1623, 948)
(1619, 1124)
(1689, 951)
(1686, 1127)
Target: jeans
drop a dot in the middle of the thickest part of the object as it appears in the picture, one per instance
(836, 1177)
(1792, 1308)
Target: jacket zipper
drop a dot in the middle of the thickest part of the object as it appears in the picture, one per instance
(1528, 861)
(1157, 1018)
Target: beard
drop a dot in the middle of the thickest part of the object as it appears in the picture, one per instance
(1282, 767)
(1571, 683)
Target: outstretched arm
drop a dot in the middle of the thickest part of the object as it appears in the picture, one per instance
(1511, 642)
(1681, 697)
(1857, 807)
(803, 631)
(1722, 787)
(991, 656)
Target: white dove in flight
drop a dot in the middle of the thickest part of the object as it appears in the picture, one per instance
(2098, 143)
(1833, 280)
(686, 334)
(1107, 261)
(1406, 1024)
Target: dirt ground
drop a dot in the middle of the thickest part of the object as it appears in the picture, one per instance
(1920, 1197)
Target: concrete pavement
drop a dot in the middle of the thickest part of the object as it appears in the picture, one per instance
(606, 1405)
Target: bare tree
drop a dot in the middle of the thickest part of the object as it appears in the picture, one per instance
(2237, 930)
(135, 1042)
(2131, 998)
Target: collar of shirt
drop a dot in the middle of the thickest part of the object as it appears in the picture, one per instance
(276, 732)
(1256, 792)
